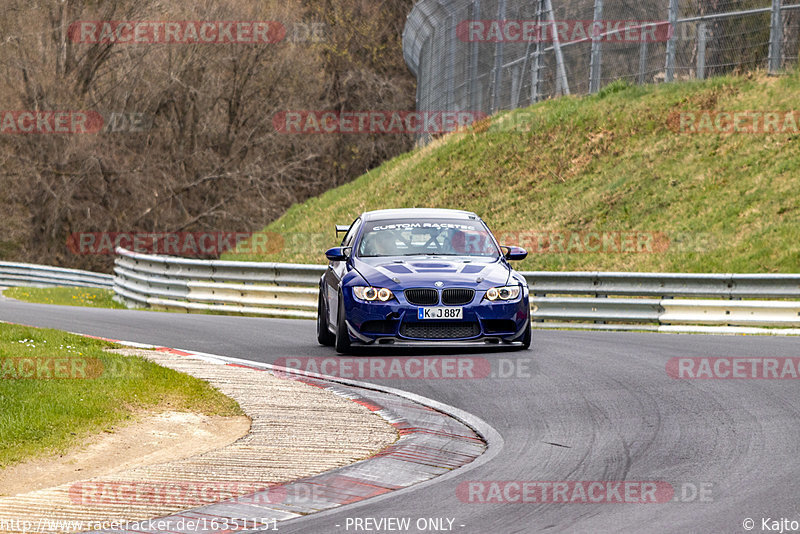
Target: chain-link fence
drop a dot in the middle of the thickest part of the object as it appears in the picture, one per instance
(489, 55)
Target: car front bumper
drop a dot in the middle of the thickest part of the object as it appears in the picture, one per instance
(396, 322)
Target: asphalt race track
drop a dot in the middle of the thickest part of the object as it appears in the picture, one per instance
(589, 406)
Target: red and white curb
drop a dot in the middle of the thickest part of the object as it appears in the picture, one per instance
(436, 442)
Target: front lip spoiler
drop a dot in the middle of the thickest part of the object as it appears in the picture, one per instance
(355, 333)
(521, 331)
(396, 341)
(485, 341)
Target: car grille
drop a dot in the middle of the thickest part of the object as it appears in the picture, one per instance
(422, 297)
(442, 330)
(455, 297)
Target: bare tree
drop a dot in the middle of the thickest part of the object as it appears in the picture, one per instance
(210, 157)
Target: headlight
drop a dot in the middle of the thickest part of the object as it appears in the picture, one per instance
(502, 293)
(372, 293)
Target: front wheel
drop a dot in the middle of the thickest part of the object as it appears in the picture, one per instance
(324, 335)
(342, 335)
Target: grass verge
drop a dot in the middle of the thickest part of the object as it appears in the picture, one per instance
(103, 298)
(65, 296)
(58, 388)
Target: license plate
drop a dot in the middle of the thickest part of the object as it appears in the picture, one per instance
(440, 313)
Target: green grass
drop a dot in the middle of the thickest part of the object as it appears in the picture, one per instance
(67, 296)
(42, 416)
(608, 163)
(100, 298)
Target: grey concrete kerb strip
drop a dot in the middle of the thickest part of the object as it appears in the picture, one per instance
(436, 442)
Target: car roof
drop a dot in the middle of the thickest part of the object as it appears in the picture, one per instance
(413, 213)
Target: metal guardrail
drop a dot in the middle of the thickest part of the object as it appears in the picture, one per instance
(260, 288)
(29, 274)
(605, 300)
(665, 285)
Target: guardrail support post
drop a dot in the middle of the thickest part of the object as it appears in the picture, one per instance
(599, 296)
(597, 51)
(775, 37)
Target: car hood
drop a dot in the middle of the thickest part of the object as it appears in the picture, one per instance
(425, 272)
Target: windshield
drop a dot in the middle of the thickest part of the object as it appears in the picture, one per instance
(433, 237)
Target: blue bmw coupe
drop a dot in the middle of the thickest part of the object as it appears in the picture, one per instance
(422, 276)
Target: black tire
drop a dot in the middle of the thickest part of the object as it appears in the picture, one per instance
(324, 335)
(342, 337)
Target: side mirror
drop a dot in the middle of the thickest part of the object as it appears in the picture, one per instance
(514, 253)
(338, 253)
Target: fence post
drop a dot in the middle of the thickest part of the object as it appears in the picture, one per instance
(596, 57)
(672, 16)
(515, 87)
(450, 104)
(701, 51)
(561, 73)
(473, 65)
(643, 50)
(537, 56)
(424, 89)
(775, 37)
(497, 74)
(535, 74)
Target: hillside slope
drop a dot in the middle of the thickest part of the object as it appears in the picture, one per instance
(612, 163)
